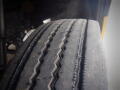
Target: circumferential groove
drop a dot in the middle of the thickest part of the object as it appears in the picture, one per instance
(12, 83)
(32, 79)
(78, 69)
(57, 64)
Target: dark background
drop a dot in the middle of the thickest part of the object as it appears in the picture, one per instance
(38, 10)
(26, 14)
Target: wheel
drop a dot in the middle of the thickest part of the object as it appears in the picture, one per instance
(61, 55)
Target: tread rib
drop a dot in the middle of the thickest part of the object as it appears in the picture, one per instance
(23, 59)
(40, 59)
(57, 65)
(78, 60)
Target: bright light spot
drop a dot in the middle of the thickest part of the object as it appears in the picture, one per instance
(46, 20)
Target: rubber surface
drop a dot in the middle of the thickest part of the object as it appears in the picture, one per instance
(62, 55)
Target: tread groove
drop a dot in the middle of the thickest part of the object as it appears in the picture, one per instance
(15, 76)
(82, 63)
(32, 79)
(57, 64)
(77, 65)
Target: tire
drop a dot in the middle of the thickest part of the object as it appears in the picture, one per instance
(61, 55)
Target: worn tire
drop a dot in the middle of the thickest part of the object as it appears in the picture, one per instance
(61, 55)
